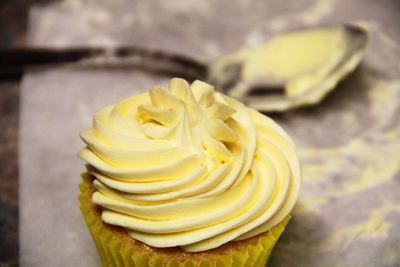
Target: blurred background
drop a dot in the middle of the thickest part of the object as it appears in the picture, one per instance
(13, 28)
(349, 143)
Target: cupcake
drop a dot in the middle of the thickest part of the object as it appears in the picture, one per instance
(186, 176)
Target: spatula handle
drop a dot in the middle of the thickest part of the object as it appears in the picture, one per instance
(14, 61)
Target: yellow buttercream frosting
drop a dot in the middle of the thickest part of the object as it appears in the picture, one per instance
(188, 166)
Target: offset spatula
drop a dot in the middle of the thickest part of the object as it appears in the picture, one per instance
(291, 70)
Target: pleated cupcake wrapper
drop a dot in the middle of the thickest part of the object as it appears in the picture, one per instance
(115, 251)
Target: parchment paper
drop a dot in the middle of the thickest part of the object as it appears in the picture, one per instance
(349, 145)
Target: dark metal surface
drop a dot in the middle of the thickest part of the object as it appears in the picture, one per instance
(9, 107)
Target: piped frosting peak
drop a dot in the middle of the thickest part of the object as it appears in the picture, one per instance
(188, 166)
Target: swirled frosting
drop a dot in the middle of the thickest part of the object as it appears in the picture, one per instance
(190, 167)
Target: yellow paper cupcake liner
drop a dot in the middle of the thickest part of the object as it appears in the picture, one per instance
(116, 248)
